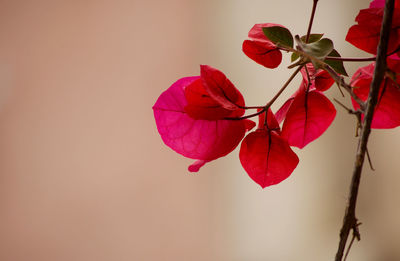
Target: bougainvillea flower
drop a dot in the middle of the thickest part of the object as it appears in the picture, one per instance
(271, 124)
(309, 116)
(365, 34)
(393, 63)
(267, 157)
(212, 96)
(320, 79)
(381, 4)
(204, 140)
(387, 111)
(260, 49)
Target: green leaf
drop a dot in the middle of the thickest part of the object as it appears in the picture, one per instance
(319, 49)
(312, 38)
(294, 57)
(336, 65)
(277, 34)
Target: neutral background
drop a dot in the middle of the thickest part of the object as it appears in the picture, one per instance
(84, 175)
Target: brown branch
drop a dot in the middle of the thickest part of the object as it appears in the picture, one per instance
(350, 220)
(283, 87)
(315, 2)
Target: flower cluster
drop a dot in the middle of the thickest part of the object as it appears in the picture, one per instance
(203, 117)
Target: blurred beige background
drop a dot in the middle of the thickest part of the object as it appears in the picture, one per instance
(85, 176)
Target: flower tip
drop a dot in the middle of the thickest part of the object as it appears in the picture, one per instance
(195, 166)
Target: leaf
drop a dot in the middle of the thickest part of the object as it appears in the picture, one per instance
(294, 57)
(279, 35)
(307, 118)
(336, 65)
(312, 38)
(319, 49)
(267, 157)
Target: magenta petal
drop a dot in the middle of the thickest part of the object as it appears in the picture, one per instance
(195, 166)
(377, 4)
(304, 124)
(267, 158)
(196, 139)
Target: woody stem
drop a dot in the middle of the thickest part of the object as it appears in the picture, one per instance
(350, 220)
(311, 20)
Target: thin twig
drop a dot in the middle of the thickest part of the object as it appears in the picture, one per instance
(246, 117)
(357, 59)
(349, 220)
(311, 20)
(349, 247)
(283, 87)
(370, 161)
(350, 59)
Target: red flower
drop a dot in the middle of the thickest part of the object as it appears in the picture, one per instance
(320, 79)
(199, 130)
(308, 117)
(266, 156)
(387, 111)
(365, 34)
(260, 49)
(308, 113)
(212, 96)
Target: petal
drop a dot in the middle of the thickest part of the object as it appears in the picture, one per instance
(393, 63)
(377, 4)
(323, 81)
(272, 123)
(267, 158)
(201, 106)
(281, 113)
(364, 37)
(387, 112)
(320, 79)
(256, 32)
(195, 166)
(264, 53)
(221, 89)
(308, 118)
(196, 139)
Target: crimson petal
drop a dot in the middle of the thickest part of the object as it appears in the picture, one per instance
(221, 89)
(387, 111)
(267, 158)
(307, 118)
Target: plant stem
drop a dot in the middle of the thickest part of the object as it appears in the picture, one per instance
(350, 59)
(311, 19)
(350, 220)
(338, 79)
(247, 116)
(283, 87)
